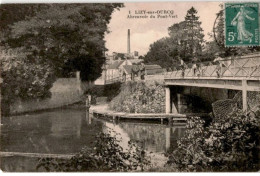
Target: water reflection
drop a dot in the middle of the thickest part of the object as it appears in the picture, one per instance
(19, 164)
(122, 136)
(89, 117)
(47, 132)
(68, 130)
(154, 137)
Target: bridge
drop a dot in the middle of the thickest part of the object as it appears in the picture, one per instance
(241, 73)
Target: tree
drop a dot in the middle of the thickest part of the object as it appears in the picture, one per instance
(52, 39)
(22, 78)
(65, 32)
(163, 52)
(12, 13)
(210, 51)
(184, 42)
(141, 57)
(194, 35)
(120, 55)
(179, 38)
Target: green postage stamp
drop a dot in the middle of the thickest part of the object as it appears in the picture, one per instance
(241, 24)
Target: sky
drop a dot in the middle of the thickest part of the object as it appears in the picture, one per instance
(146, 31)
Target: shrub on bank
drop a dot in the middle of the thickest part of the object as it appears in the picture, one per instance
(140, 97)
(106, 155)
(228, 144)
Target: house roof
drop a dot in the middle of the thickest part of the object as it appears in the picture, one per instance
(153, 69)
(149, 67)
(136, 61)
(115, 65)
(128, 68)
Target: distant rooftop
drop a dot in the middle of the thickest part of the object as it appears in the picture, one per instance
(115, 65)
(153, 69)
(128, 68)
(136, 61)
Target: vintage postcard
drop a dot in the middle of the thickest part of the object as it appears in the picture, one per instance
(130, 86)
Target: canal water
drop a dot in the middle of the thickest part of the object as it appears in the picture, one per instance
(66, 131)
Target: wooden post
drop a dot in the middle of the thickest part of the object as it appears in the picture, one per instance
(244, 94)
(167, 100)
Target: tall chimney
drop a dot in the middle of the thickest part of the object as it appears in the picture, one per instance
(128, 42)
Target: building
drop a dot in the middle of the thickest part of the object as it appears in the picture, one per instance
(126, 70)
(118, 65)
(113, 70)
(153, 69)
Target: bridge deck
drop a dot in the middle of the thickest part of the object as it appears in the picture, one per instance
(225, 74)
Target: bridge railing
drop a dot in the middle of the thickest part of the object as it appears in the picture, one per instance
(246, 66)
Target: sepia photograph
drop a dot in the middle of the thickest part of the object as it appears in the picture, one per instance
(130, 86)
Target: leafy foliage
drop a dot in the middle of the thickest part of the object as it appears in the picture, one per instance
(185, 41)
(140, 97)
(165, 49)
(53, 40)
(12, 13)
(67, 34)
(228, 144)
(107, 155)
(194, 36)
(188, 36)
(24, 78)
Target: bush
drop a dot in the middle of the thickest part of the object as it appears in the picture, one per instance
(140, 97)
(228, 144)
(107, 155)
(109, 91)
(24, 78)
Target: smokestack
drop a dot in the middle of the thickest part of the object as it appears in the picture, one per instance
(128, 42)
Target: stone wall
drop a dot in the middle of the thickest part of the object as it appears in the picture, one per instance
(65, 91)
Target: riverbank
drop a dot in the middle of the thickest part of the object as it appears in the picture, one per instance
(103, 110)
(42, 134)
(140, 97)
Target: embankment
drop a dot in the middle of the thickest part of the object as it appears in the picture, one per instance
(140, 97)
(65, 91)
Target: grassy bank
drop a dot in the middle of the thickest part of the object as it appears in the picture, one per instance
(140, 97)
